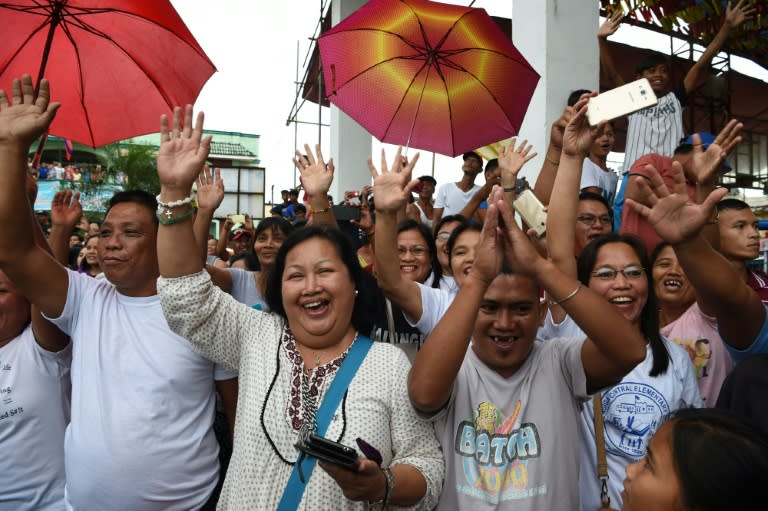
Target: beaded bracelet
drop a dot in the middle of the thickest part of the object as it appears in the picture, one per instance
(175, 203)
(165, 216)
(570, 295)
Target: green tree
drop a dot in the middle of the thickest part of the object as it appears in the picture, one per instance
(132, 165)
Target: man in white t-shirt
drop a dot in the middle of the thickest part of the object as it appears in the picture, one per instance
(505, 405)
(34, 410)
(452, 197)
(141, 431)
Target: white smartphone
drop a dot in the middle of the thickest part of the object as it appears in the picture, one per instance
(621, 101)
(532, 210)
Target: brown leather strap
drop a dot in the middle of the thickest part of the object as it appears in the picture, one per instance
(602, 463)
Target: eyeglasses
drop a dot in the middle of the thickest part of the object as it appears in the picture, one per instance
(443, 236)
(417, 251)
(590, 219)
(630, 273)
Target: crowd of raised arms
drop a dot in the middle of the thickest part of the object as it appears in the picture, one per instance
(466, 360)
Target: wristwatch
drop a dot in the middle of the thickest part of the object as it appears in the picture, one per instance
(383, 502)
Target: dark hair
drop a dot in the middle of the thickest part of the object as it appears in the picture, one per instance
(84, 265)
(650, 60)
(251, 262)
(492, 164)
(649, 316)
(447, 219)
(587, 195)
(472, 154)
(458, 231)
(72, 256)
(657, 250)
(140, 197)
(409, 224)
(720, 460)
(428, 179)
(730, 203)
(300, 207)
(274, 224)
(362, 319)
(574, 96)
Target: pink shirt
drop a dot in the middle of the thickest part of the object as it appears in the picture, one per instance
(697, 334)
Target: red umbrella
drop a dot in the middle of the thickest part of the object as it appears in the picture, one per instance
(434, 76)
(114, 65)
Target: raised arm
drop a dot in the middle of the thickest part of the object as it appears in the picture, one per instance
(608, 28)
(183, 150)
(316, 178)
(23, 118)
(210, 193)
(561, 214)
(734, 16)
(391, 190)
(437, 363)
(66, 211)
(740, 313)
(613, 346)
(546, 178)
(47, 335)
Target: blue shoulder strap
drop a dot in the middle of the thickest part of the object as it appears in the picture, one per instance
(294, 490)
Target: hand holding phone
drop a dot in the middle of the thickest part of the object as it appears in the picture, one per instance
(329, 451)
(532, 210)
(621, 101)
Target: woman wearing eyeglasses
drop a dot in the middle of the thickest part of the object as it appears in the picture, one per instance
(616, 267)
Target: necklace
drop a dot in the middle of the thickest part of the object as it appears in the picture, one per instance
(291, 354)
(316, 354)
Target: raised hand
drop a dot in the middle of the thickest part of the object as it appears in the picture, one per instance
(518, 250)
(66, 209)
(210, 188)
(579, 135)
(392, 188)
(488, 257)
(558, 127)
(183, 150)
(741, 12)
(611, 24)
(512, 159)
(316, 176)
(27, 115)
(705, 165)
(673, 216)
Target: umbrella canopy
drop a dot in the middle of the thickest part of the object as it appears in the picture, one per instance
(115, 66)
(428, 75)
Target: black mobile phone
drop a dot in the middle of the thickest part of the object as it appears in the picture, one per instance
(342, 212)
(329, 451)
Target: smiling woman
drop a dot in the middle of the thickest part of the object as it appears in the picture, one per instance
(292, 361)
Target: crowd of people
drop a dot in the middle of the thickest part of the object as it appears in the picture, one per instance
(463, 358)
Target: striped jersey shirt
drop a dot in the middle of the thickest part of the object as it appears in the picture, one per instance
(656, 129)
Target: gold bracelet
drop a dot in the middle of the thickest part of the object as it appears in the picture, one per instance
(324, 210)
(568, 297)
(553, 162)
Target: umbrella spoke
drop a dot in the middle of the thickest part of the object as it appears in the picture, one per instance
(403, 98)
(21, 46)
(415, 46)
